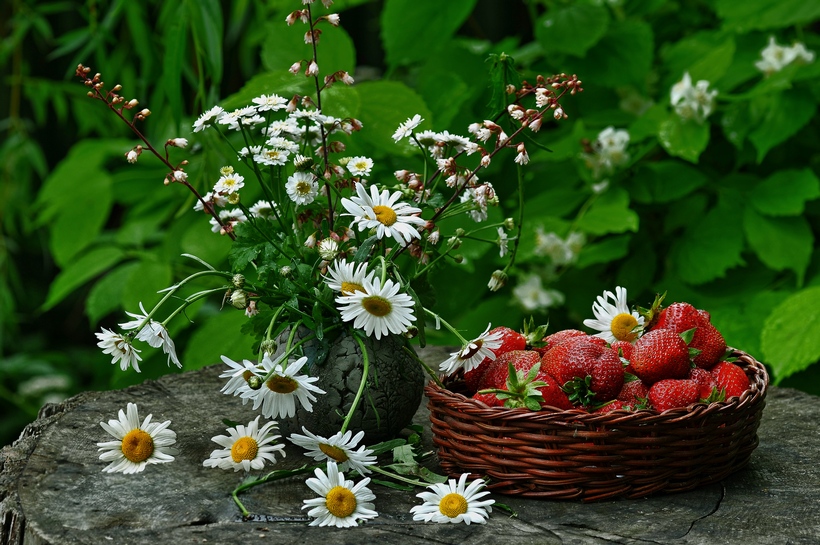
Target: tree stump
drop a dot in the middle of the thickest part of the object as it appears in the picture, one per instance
(53, 490)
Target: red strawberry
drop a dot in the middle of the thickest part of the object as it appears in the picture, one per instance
(551, 341)
(498, 370)
(671, 393)
(705, 381)
(489, 399)
(552, 393)
(582, 357)
(510, 340)
(680, 317)
(660, 354)
(613, 406)
(730, 377)
(633, 391)
(623, 348)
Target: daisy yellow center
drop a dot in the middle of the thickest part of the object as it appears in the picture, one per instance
(623, 326)
(452, 505)
(245, 448)
(351, 287)
(340, 502)
(303, 188)
(377, 306)
(137, 446)
(282, 385)
(385, 215)
(334, 452)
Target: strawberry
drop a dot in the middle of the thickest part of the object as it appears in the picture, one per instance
(614, 405)
(551, 341)
(594, 369)
(624, 350)
(497, 372)
(489, 399)
(680, 317)
(670, 393)
(706, 381)
(554, 396)
(633, 390)
(660, 354)
(731, 378)
(510, 340)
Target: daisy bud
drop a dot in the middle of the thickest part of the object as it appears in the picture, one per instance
(311, 241)
(458, 258)
(312, 69)
(268, 346)
(333, 19)
(254, 382)
(178, 142)
(238, 281)
(295, 67)
(497, 281)
(454, 242)
(328, 249)
(233, 199)
(239, 299)
(509, 224)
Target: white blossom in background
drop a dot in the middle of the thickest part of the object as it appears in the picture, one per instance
(153, 333)
(560, 251)
(774, 57)
(532, 296)
(119, 348)
(695, 102)
(608, 151)
(406, 129)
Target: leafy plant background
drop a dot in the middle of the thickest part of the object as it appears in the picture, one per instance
(721, 214)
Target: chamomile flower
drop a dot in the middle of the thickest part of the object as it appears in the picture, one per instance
(406, 128)
(229, 183)
(346, 278)
(383, 212)
(238, 375)
(341, 503)
(302, 187)
(153, 333)
(337, 448)
(454, 502)
(472, 353)
(263, 209)
(270, 102)
(136, 445)
(120, 348)
(360, 166)
(278, 395)
(246, 447)
(271, 157)
(613, 319)
(379, 309)
(208, 118)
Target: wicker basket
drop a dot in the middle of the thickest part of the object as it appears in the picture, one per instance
(572, 454)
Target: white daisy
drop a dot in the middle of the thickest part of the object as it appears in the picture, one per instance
(279, 393)
(208, 118)
(271, 157)
(229, 183)
(337, 448)
(360, 166)
(613, 319)
(302, 187)
(210, 197)
(453, 502)
(342, 504)
(503, 241)
(384, 213)
(345, 277)
(136, 445)
(228, 216)
(238, 376)
(378, 309)
(473, 353)
(270, 102)
(153, 333)
(246, 447)
(407, 127)
(120, 348)
(284, 144)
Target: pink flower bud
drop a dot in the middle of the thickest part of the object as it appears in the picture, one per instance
(312, 69)
(295, 67)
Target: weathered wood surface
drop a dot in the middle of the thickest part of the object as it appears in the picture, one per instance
(52, 489)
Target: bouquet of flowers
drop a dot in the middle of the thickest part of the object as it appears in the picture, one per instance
(319, 244)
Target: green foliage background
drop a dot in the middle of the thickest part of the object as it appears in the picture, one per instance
(721, 214)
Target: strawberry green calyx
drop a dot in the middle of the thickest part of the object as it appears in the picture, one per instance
(716, 396)
(535, 334)
(522, 389)
(650, 315)
(579, 391)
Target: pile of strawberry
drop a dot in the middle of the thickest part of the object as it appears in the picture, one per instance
(680, 359)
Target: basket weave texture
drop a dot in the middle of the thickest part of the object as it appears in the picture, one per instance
(572, 454)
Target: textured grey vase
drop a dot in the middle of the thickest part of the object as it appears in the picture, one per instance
(391, 397)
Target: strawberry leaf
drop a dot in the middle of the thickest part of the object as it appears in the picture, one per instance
(688, 335)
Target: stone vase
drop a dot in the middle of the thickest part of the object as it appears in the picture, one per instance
(391, 396)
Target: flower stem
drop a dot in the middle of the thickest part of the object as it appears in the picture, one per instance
(365, 372)
(272, 476)
(397, 477)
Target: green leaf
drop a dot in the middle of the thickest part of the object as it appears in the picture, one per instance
(785, 192)
(205, 17)
(610, 213)
(683, 138)
(217, 335)
(664, 181)
(764, 14)
(710, 247)
(572, 28)
(412, 31)
(788, 112)
(609, 249)
(705, 55)
(173, 58)
(80, 271)
(791, 334)
(780, 243)
(622, 57)
(385, 105)
(106, 295)
(285, 45)
(146, 280)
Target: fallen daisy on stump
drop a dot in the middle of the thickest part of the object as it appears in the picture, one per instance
(453, 502)
(341, 503)
(246, 447)
(136, 445)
